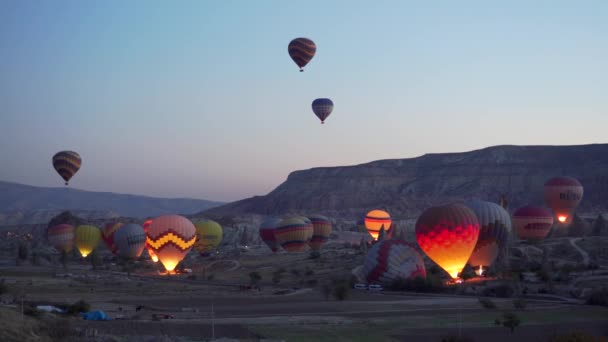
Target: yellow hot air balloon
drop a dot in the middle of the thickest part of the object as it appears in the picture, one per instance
(209, 236)
(293, 234)
(171, 237)
(321, 230)
(375, 220)
(87, 238)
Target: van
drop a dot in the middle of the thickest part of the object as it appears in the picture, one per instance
(376, 287)
(360, 286)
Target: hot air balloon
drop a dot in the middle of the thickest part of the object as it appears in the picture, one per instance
(563, 194)
(321, 230)
(171, 237)
(66, 163)
(302, 50)
(293, 234)
(87, 238)
(130, 240)
(375, 220)
(448, 234)
(107, 234)
(61, 237)
(311, 230)
(322, 108)
(267, 229)
(390, 260)
(209, 236)
(151, 253)
(532, 223)
(494, 232)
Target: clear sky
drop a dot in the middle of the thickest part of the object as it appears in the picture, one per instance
(200, 98)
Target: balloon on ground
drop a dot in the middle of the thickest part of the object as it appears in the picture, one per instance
(107, 234)
(321, 230)
(563, 195)
(61, 237)
(87, 239)
(209, 236)
(495, 229)
(375, 220)
(293, 234)
(171, 237)
(267, 233)
(532, 223)
(391, 260)
(130, 240)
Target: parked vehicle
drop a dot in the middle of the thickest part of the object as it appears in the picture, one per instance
(360, 286)
(375, 287)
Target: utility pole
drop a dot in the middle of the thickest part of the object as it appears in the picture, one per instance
(212, 323)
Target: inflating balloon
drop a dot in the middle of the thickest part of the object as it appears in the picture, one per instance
(293, 234)
(495, 229)
(375, 220)
(67, 163)
(151, 253)
(267, 229)
(209, 236)
(563, 195)
(301, 50)
(61, 237)
(448, 234)
(321, 230)
(322, 108)
(87, 238)
(171, 237)
(532, 223)
(390, 260)
(107, 234)
(130, 240)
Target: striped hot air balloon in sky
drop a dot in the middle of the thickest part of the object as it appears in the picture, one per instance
(321, 230)
(130, 240)
(448, 235)
(87, 239)
(151, 253)
(532, 222)
(267, 229)
(66, 163)
(390, 260)
(171, 237)
(563, 195)
(322, 108)
(209, 236)
(107, 234)
(302, 50)
(61, 237)
(375, 220)
(293, 234)
(495, 229)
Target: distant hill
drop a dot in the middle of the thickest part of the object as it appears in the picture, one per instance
(406, 187)
(29, 204)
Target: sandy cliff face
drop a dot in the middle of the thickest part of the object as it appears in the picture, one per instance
(407, 186)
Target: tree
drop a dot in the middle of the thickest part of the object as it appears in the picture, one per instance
(599, 226)
(64, 259)
(577, 227)
(255, 278)
(22, 252)
(96, 261)
(511, 321)
(363, 246)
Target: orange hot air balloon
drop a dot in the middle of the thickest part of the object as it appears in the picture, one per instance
(293, 234)
(171, 237)
(532, 223)
(107, 234)
(375, 220)
(563, 195)
(151, 253)
(321, 230)
(448, 234)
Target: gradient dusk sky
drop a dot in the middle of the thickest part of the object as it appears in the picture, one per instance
(200, 98)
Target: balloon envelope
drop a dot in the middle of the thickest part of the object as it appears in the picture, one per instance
(390, 260)
(322, 108)
(321, 230)
(302, 50)
(532, 223)
(151, 253)
(267, 229)
(171, 237)
(448, 234)
(66, 163)
(293, 234)
(494, 232)
(375, 220)
(209, 236)
(107, 234)
(130, 241)
(563, 195)
(87, 238)
(61, 237)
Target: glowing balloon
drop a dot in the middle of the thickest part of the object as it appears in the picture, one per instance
(130, 240)
(322, 108)
(66, 163)
(448, 234)
(171, 237)
(375, 220)
(87, 238)
(301, 50)
(495, 229)
(209, 236)
(293, 234)
(321, 230)
(61, 237)
(532, 223)
(267, 229)
(107, 234)
(390, 260)
(151, 253)
(563, 195)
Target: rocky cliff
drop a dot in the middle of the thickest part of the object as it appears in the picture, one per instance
(405, 187)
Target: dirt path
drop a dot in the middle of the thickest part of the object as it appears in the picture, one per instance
(583, 253)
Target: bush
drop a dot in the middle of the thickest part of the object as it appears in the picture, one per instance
(314, 255)
(456, 338)
(58, 330)
(341, 292)
(511, 321)
(520, 303)
(500, 291)
(78, 307)
(598, 297)
(255, 278)
(309, 271)
(23, 251)
(3, 288)
(32, 312)
(487, 303)
(276, 277)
